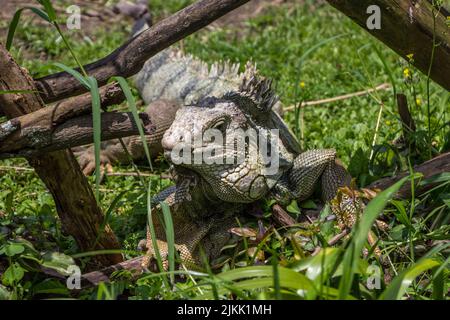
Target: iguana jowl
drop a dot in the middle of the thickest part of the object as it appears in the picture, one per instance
(207, 198)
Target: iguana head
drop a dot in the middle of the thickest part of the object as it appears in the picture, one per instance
(230, 142)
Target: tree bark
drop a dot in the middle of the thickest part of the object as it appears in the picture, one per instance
(408, 27)
(75, 203)
(32, 139)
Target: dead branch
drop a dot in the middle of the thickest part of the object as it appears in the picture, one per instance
(79, 213)
(130, 57)
(430, 168)
(383, 86)
(32, 140)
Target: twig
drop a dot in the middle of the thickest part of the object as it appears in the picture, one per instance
(383, 86)
(5, 168)
(134, 174)
(333, 240)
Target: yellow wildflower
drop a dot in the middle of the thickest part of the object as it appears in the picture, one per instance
(407, 73)
(418, 101)
(388, 123)
(410, 56)
(302, 84)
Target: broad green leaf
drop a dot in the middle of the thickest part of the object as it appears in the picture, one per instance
(50, 286)
(320, 266)
(398, 286)
(58, 262)
(13, 249)
(308, 204)
(293, 207)
(13, 274)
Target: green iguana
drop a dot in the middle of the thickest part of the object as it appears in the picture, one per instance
(186, 99)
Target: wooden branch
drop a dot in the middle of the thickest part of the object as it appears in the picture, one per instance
(407, 27)
(75, 203)
(110, 94)
(43, 121)
(430, 168)
(32, 140)
(129, 58)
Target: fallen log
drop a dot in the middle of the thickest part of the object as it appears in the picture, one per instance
(32, 140)
(430, 168)
(95, 277)
(130, 57)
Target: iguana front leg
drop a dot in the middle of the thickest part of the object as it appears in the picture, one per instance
(161, 113)
(312, 169)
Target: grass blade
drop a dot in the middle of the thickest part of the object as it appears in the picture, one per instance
(351, 255)
(151, 229)
(170, 238)
(131, 103)
(398, 287)
(276, 278)
(12, 28)
(96, 123)
(15, 21)
(48, 9)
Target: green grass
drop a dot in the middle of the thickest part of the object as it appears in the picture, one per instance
(290, 44)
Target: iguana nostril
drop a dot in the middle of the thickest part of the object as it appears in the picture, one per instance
(180, 138)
